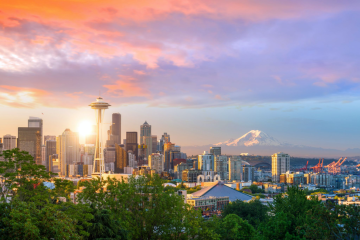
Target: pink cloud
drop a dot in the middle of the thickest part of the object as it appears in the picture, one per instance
(127, 87)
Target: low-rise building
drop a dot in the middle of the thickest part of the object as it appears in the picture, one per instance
(209, 203)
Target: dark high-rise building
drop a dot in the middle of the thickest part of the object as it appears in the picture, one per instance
(29, 140)
(166, 138)
(116, 127)
(121, 159)
(132, 143)
(37, 123)
(50, 150)
(154, 143)
(216, 151)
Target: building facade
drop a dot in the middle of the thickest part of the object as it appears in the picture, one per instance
(69, 151)
(9, 142)
(29, 140)
(280, 164)
(156, 162)
(235, 168)
(216, 151)
(206, 162)
(221, 165)
(121, 159)
(50, 150)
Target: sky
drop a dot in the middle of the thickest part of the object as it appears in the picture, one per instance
(204, 71)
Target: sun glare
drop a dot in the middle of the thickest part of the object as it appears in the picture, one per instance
(85, 128)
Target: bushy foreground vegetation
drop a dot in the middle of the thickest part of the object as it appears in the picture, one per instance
(143, 209)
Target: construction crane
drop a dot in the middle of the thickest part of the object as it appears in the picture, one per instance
(304, 168)
(318, 167)
(335, 168)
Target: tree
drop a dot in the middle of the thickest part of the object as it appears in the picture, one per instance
(25, 221)
(294, 204)
(105, 225)
(278, 227)
(144, 207)
(19, 174)
(235, 228)
(254, 211)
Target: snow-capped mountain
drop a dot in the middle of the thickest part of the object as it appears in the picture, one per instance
(252, 138)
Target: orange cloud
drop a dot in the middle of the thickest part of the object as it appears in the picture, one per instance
(21, 97)
(127, 87)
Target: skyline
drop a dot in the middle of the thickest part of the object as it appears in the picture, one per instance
(202, 71)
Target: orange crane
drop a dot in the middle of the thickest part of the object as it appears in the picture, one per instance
(358, 165)
(336, 168)
(305, 168)
(318, 167)
(333, 163)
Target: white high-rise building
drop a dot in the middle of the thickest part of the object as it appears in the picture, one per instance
(235, 168)
(156, 162)
(220, 166)
(280, 164)
(206, 162)
(9, 142)
(69, 150)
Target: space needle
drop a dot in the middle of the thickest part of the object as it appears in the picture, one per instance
(99, 167)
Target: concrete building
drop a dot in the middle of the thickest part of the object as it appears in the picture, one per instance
(29, 140)
(156, 162)
(179, 168)
(206, 162)
(190, 175)
(69, 151)
(235, 168)
(280, 165)
(36, 122)
(208, 203)
(50, 151)
(9, 142)
(132, 143)
(216, 151)
(121, 159)
(221, 165)
(116, 128)
(49, 137)
(248, 173)
(166, 138)
(154, 143)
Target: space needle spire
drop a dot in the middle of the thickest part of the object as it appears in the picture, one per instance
(99, 106)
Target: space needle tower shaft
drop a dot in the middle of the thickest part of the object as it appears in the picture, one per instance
(99, 106)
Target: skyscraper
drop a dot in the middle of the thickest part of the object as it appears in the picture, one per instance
(216, 151)
(132, 143)
(9, 142)
(165, 137)
(121, 160)
(49, 137)
(220, 166)
(145, 131)
(235, 168)
(50, 150)
(206, 162)
(280, 164)
(145, 142)
(154, 143)
(37, 123)
(116, 127)
(167, 161)
(156, 162)
(69, 150)
(29, 140)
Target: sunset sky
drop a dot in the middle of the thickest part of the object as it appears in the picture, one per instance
(202, 70)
